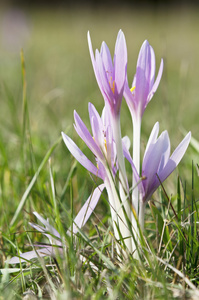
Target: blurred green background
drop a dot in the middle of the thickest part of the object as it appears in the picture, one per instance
(59, 72)
(60, 79)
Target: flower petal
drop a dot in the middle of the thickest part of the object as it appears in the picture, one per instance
(80, 157)
(97, 126)
(156, 84)
(47, 251)
(87, 209)
(120, 62)
(153, 137)
(85, 135)
(175, 158)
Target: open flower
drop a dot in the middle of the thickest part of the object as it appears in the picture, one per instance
(144, 84)
(111, 75)
(53, 235)
(102, 144)
(157, 165)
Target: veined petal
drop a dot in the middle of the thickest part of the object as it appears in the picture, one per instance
(87, 209)
(106, 87)
(85, 135)
(142, 82)
(97, 125)
(153, 137)
(156, 84)
(151, 73)
(107, 60)
(80, 157)
(175, 158)
(152, 160)
(120, 62)
(93, 60)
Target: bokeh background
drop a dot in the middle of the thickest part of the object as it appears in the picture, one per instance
(60, 78)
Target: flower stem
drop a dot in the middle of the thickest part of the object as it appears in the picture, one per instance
(141, 214)
(136, 160)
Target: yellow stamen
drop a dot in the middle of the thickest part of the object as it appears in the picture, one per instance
(105, 144)
(132, 89)
(112, 86)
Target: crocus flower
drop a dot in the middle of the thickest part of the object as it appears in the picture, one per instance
(111, 78)
(53, 235)
(111, 75)
(144, 84)
(102, 144)
(157, 165)
(137, 97)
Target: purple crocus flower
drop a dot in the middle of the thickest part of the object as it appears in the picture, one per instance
(137, 97)
(157, 165)
(144, 84)
(100, 142)
(103, 146)
(110, 75)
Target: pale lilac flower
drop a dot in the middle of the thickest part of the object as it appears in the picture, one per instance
(137, 97)
(110, 74)
(157, 164)
(102, 144)
(144, 84)
(53, 235)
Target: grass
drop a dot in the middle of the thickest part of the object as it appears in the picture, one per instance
(38, 174)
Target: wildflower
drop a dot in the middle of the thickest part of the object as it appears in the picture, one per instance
(137, 97)
(111, 78)
(157, 165)
(102, 144)
(144, 84)
(53, 235)
(110, 75)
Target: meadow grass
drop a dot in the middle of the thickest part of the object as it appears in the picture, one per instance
(38, 173)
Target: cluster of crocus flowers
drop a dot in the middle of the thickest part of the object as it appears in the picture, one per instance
(127, 200)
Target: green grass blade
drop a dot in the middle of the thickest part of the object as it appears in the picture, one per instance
(31, 184)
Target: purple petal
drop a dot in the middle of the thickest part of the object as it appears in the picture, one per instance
(80, 157)
(151, 73)
(47, 251)
(107, 60)
(120, 62)
(97, 126)
(175, 158)
(142, 82)
(156, 84)
(106, 88)
(87, 209)
(85, 135)
(152, 160)
(135, 173)
(93, 60)
(153, 137)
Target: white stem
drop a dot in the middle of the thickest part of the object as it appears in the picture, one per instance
(141, 214)
(119, 150)
(135, 193)
(117, 212)
(136, 160)
(112, 207)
